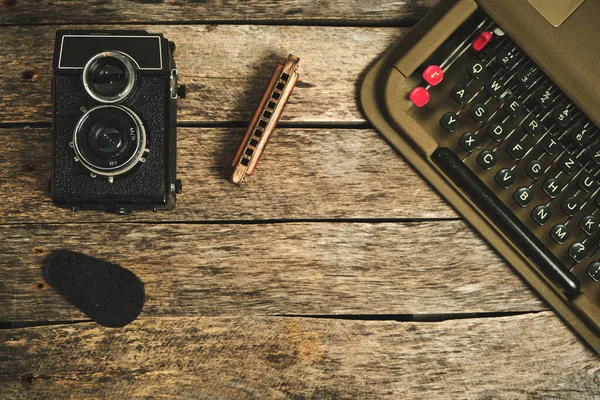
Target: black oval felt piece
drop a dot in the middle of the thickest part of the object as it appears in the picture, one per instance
(109, 294)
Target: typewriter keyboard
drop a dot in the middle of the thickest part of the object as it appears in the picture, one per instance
(521, 150)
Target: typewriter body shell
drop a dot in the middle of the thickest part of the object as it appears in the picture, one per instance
(385, 101)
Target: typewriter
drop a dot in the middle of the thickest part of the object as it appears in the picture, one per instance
(497, 105)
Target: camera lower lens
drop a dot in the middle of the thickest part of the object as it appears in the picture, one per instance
(109, 140)
(109, 77)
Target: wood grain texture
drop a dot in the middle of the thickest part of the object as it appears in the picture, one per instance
(337, 173)
(226, 69)
(531, 356)
(287, 268)
(180, 11)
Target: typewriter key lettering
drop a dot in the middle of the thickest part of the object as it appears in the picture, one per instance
(541, 214)
(534, 169)
(505, 178)
(578, 252)
(570, 206)
(589, 224)
(560, 233)
(523, 196)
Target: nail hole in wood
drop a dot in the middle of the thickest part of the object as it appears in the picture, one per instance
(29, 167)
(38, 250)
(27, 379)
(39, 285)
(29, 75)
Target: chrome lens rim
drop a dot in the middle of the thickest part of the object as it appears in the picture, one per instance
(127, 62)
(137, 155)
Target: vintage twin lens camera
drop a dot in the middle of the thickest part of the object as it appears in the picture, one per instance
(114, 95)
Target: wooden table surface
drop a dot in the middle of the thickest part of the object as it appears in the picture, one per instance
(335, 272)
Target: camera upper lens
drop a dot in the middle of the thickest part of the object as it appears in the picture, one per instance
(109, 140)
(109, 77)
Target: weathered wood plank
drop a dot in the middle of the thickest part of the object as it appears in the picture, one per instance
(258, 11)
(530, 356)
(331, 179)
(289, 268)
(225, 67)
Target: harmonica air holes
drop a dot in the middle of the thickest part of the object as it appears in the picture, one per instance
(276, 95)
(249, 152)
(271, 105)
(262, 124)
(253, 142)
(285, 77)
(280, 86)
(245, 162)
(267, 114)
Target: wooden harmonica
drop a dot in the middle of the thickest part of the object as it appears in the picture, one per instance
(265, 119)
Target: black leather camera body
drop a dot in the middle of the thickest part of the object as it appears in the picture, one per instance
(114, 97)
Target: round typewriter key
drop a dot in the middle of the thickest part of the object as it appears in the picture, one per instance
(487, 159)
(595, 153)
(449, 121)
(505, 178)
(479, 112)
(468, 141)
(560, 233)
(552, 187)
(497, 131)
(594, 271)
(588, 183)
(578, 252)
(476, 69)
(589, 224)
(541, 214)
(494, 88)
(516, 150)
(433, 75)
(419, 96)
(534, 169)
(513, 107)
(533, 126)
(570, 206)
(460, 93)
(523, 196)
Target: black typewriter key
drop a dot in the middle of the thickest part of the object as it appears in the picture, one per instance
(487, 159)
(534, 169)
(541, 214)
(523, 196)
(550, 145)
(449, 121)
(544, 97)
(594, 271)
(594, 153)
(578, 252)
(505, 178)
(497, 131)
(516, 150)
(460, 93)
(560, 233)
(526, 77)
(589, 224)
(533, 126)
(468, 141)
(570, 206)
(513, 107)
(581, 135)
(508, 58)
(552, 187)
(569, 164)
(494, 87)
(479, 112)
(587, 183)
(562, 115)
(476, 69)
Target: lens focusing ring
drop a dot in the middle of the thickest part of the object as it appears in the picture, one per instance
(94, 62)
(133, 135)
